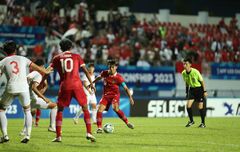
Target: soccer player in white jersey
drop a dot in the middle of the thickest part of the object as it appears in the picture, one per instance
(91, 98)
(38, 100)
(15, 68)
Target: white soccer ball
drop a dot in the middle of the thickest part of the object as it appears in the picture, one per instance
(108, 128)
(131, 91)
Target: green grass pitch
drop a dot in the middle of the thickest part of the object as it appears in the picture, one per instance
(150, 134)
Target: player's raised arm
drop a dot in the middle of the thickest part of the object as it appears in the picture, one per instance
(85, 84)
(38, 93)
(88, 77)
(128, 92)
(40, 69)
(98, 78)
(45, 86)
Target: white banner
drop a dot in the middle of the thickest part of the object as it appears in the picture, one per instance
(165, 108)
(223, 107)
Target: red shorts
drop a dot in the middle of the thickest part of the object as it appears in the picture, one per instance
(65, 96)
(109, 100)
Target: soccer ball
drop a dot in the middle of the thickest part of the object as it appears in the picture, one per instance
(131, 91)
(108, 128)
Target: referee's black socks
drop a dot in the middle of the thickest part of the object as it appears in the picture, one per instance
(202, 114)
(189, 110)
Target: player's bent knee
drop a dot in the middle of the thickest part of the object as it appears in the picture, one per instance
(101, 108)
(94, 106)
(26, 107)
(52, 105)
(116, 109)
(200, 106)
(85, 107)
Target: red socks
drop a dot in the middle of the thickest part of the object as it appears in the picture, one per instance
(59, 123)
(87, 120)
(38, 115)
(99, 119)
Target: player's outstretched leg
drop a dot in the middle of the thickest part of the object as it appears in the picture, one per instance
(78, 114)
(58, 125)
(122, 116)
(3, 120)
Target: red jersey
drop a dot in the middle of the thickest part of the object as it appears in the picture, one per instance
(111, 83)
(68, 64)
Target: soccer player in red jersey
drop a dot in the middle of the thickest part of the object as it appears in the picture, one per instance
(111, 94)
(68, 64)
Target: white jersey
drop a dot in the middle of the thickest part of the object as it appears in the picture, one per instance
(16, 68)
(86, 79)
(91, 98)
(36, 102)
(33, 77)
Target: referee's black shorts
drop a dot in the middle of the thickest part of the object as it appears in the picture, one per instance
(196, 94)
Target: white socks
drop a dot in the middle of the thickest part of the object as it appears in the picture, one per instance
(3, 122)
(94, 115)
(79, 112)
(53, 115)
(28, 121)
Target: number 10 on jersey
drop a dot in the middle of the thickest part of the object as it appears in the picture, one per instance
(67, 65)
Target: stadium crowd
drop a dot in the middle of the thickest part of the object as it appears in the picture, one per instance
(123, 36)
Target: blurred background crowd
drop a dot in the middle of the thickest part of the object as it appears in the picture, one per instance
(146, 42)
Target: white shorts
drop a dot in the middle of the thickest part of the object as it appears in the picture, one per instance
(91, 99)
(39, 103)
(7, 99)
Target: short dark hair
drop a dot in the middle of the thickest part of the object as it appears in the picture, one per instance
(66, 44)
(112, 62)
(9, 47)
(2, 54)
(187, 60)
(39, 62)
